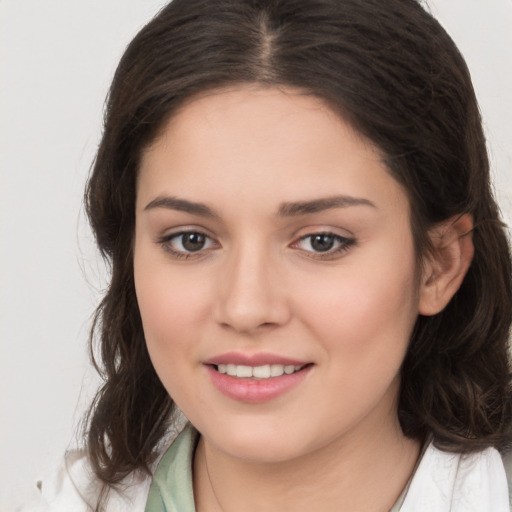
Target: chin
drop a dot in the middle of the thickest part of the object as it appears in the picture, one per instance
(258, 441)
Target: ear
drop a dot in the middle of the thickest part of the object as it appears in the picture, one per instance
(445, 268)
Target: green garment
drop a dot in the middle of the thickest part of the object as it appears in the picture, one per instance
(171, 489)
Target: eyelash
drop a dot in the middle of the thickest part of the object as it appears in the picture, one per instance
(343, 245)
(166, 243)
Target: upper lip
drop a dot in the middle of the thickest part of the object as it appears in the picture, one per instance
(258, 359)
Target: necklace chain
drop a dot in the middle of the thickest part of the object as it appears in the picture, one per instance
(210, 482)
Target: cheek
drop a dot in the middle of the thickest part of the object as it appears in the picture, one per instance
(171, 314)
(165, 312)
(366, 319)
(172, 310)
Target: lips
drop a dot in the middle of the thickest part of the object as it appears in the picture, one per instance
(255, 378)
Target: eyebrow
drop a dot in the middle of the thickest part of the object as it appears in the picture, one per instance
(182, 205)
(318, 205)
(289, 209)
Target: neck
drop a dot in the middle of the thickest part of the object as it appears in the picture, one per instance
(360, 475)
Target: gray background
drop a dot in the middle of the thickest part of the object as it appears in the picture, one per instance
(57, 58)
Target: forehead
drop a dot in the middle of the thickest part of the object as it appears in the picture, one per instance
(261, 143)
(251, 113)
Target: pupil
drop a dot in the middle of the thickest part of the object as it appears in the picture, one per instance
(193, 241)
(322, 243)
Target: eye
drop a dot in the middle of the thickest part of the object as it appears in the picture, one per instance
(327, 244)
(186, 243)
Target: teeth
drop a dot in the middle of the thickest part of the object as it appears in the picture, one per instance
(266, 371)
(243, 371)
(276, 370)
(261, 372)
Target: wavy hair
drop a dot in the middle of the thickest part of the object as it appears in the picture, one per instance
(393, 73)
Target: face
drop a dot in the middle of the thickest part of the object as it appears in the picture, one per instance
(275, 273)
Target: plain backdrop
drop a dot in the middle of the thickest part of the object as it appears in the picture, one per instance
(57, 58)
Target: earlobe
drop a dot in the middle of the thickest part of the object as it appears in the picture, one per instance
(445, 268)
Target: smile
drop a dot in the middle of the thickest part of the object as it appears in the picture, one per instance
(257, 378)
(267, 371)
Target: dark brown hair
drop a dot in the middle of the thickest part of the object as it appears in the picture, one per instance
(392, 71)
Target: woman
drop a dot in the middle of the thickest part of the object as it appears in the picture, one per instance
(306, 258)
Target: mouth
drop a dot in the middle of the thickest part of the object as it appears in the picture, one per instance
(263, 372)
(257, 378)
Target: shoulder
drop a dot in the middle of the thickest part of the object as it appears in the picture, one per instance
(459, 482)
(507, 463)
(72, 486)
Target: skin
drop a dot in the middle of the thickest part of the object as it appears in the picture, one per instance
(258, 285)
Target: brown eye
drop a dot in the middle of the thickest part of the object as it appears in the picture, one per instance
(193, 241)
(186, 243)
(328, 244)
(322, 242)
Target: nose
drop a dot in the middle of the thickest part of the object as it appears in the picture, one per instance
(251, 295)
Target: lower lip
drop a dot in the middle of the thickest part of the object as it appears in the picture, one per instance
(255, 391)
